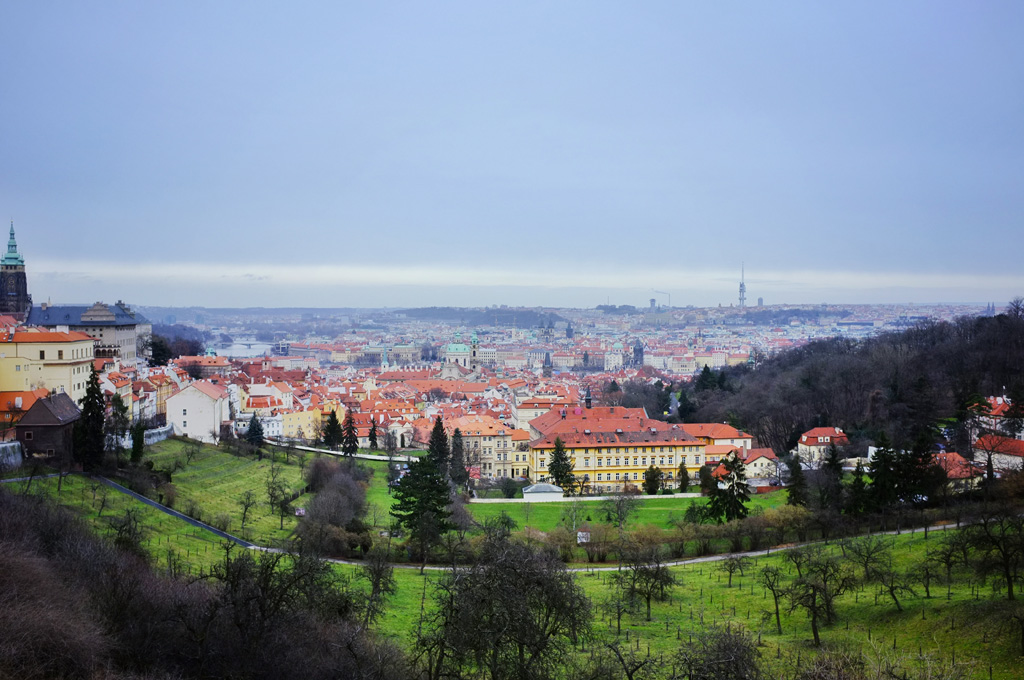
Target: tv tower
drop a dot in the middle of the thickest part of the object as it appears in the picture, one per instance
(743, 289)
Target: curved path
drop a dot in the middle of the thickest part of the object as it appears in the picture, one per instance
(401, 565)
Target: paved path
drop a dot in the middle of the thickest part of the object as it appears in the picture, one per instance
(399, 565)
(397, 458)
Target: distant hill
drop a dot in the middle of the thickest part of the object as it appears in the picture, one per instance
(522, 318)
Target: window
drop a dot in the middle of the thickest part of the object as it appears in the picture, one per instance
(17, 368)
(616, 461)
(184, 424)
(643, 461)
(28, 436)
(600, 461)
(599, 477)
(586, 462)
(42, 354)
(634, 475)
(60, 354)
(616, 476)
(184, 411)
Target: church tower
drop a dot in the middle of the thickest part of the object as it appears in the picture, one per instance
(14, 298)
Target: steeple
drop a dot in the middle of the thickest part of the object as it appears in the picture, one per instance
(12, 258)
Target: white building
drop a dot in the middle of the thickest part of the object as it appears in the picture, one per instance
(198, 411)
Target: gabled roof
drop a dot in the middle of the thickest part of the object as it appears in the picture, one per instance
(57, 409)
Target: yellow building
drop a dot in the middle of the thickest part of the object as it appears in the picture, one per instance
(300, 424)
(487, 443)
(59, 362)
(611, 460)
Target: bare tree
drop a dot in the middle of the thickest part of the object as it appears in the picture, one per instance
(247, 502)
(771, 579)
(620, 507)
(824, 580)
(646, 574)
(377, 570)
(732, 564)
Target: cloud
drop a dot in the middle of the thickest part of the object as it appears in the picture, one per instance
(250, 283)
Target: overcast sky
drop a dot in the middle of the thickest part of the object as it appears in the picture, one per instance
(390, 153)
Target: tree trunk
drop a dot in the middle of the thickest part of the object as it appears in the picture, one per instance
(814, 629)
(778, 620)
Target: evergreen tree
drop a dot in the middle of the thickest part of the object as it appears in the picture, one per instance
(458, 472)
(332, 432)
(138, 442)
(372, 437)
(857, 492)
(708, 483)
(560, 468)
(89, 437)
(437, 449)
(652, 480)
(706, 380)
(349, 435)
(830, 480)
(684, 478)
(117, 424)
(796, 488)
(884, 484)
(421, 505)
(729, 500)
(254, 435)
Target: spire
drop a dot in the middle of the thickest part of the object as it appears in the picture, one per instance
(11, 257)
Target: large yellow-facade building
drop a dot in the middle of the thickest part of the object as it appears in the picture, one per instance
(32, 358)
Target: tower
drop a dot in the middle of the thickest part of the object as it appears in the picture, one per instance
(14, 298)
(743, 290)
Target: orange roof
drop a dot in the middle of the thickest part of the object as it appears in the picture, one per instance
(27, 334)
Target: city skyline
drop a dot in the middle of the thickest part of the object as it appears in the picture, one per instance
(346, 155)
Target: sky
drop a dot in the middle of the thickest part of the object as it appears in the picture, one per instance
(522, 153)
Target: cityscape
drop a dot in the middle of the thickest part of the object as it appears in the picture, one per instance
(512, 342)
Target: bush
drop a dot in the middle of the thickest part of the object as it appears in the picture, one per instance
(222, 521)
(168, 494)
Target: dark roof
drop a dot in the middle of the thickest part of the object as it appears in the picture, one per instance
(71, 315)
(57, 409)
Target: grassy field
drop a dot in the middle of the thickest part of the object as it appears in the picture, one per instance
(99, 504)
(972, 623)
(659, 511)
(215, 480)
(929, 630)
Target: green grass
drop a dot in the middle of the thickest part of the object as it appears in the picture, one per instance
(933, 627)
(215, 480)
(660, 511)
(98, 504)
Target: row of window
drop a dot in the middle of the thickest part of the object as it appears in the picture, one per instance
(75, 354)
(625, 476)
(642, 462)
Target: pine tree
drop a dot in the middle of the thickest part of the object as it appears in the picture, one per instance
(372, 437)
(254, 435)
(884, 483)
(89, 437)
(437, 449)
(421, 505)
(857, 492)
(684, 478)
(332, 432)
(458, 472)
(729, 499)
(138, 442)
(560, 468)
(349, 435)
(796, 488)
(830, 479)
